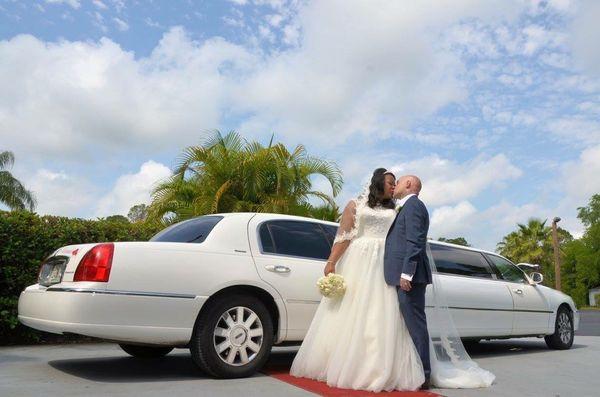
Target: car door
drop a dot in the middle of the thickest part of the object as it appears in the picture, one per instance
(480, 304)
(290, 255)
(531, 310)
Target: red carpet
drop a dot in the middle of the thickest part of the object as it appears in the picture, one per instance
(321, 388)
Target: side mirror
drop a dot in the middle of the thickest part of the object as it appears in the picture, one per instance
(536, 277)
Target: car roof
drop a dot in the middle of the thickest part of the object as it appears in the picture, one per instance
(268, 215)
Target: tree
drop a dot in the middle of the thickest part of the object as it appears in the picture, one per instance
(12, 192)
(591, 214)
(226, 173)
(117, 218)
(456, 240)
(138, 213)
(532, 243)
(581, 268)
(325, 212)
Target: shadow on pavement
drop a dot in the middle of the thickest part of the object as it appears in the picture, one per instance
(179, 366)
(173, 367)
(510, 347)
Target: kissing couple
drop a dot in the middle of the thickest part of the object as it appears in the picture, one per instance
(376, 336)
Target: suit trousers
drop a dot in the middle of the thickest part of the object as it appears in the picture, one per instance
(412, 306)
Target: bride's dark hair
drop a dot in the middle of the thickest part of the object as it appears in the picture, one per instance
(376, 190)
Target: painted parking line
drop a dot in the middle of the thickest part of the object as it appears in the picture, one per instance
(282, 373)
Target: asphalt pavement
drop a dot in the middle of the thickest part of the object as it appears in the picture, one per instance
(589, 324)
(523, 367)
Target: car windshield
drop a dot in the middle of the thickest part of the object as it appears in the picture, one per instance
(191, 231)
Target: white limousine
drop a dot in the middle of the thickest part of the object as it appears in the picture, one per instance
(230, 286)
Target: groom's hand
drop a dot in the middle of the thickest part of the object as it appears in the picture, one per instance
(405, 285)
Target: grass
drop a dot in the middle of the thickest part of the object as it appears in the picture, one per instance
(589, 308)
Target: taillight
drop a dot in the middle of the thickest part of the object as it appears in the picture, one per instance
(95, 264)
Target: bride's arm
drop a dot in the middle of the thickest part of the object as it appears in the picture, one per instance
(346, 232)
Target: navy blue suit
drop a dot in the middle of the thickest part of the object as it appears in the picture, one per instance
(405, 252)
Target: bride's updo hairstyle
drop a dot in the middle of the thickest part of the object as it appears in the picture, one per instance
(376, 190)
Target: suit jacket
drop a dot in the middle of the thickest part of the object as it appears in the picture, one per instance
(405, 245)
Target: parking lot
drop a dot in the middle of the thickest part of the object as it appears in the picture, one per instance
(524, 367)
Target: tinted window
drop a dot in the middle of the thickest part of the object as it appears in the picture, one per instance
(330, 232)
(507, 270)
(265, 239)
(295, 238)
(192, 231)
(458, 261)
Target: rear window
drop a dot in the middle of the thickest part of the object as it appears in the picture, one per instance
(191, 231)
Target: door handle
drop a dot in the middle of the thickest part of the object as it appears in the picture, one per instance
(518, 291)
(278, 269)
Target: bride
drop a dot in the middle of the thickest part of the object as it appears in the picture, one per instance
(360, 341)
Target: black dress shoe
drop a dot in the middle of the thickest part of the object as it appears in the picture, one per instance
(426, 385)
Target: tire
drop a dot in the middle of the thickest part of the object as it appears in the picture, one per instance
(146, 351)
(225, 346)
(564, 334)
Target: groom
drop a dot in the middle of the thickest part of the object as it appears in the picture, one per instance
(406, 264)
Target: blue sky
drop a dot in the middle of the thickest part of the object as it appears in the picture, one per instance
(494, 104)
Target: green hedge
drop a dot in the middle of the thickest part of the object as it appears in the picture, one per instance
(27, 238)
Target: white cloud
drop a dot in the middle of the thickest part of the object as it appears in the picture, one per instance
(356, 69)
(59, 193)
(132, 189)
(575, 130)
(581, 178)
(448, 182)
(361, 69)
(452, 221)
(73, 96)
(100, 4)
(121, 24)
(73, 3)
(586, 36)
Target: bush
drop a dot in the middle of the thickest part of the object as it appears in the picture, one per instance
(27, 238)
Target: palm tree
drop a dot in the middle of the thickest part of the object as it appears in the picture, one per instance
(532, 243)
(529, 243)
(12, 192)
(226, 173)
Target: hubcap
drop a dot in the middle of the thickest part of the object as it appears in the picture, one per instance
(564, 327)
(238, 336)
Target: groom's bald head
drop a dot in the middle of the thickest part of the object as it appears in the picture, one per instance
(407, 184)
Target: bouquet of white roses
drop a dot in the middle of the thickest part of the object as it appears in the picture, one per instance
(332, 285)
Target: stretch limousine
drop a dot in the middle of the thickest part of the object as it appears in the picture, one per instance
(230, 286)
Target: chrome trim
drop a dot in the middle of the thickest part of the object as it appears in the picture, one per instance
(497, 310)
(116, 292)
(302, 301)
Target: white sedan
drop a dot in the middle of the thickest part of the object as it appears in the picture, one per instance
(230, 286)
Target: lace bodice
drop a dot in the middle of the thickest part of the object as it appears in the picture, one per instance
(360, 220)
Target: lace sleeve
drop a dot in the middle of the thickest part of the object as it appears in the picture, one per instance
(348, 227)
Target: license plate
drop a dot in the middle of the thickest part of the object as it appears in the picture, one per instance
(52, 273)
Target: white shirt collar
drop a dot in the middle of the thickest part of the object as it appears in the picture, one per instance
(403, 201)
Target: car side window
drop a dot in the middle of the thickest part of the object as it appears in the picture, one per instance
(330, 232)
(507, 270)
(295, 238)
(461, 262)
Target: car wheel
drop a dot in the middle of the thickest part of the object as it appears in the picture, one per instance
(146, 351)
(233, 337)
(563, 335)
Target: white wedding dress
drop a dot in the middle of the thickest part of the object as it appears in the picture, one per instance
(360, 341)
